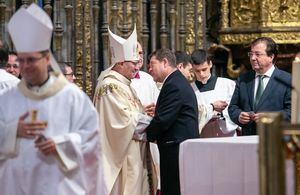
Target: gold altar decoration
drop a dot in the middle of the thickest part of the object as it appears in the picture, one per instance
(81, 38)
(80, 35)
(194, 25)
(245, 20)
(84, 45)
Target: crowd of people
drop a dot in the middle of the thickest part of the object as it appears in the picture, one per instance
(55, 140)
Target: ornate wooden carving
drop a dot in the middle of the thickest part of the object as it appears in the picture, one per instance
(48, 7)
(279, 19)
(58, 31)
(104, 34)
(154, 25)
(145, 32)
(69, 10)
(172, 14)
(81, 36)
(84, 44)
(194, 34)
(96, 55)
(182, 26)
(163, 25)
(2, 19)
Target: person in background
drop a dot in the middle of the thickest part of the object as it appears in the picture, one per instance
(264, 88)
(49, 129)
(12, 65)
(214, 93)
(7, 80)
(175, 118)
(143, 83)
(183, 63)
(67, 71)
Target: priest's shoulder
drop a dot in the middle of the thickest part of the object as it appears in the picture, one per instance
(106, 86)
(9, 93)
(74, 90)
(223, 79)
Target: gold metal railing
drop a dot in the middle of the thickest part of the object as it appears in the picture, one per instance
(291, 135)
(278, 142)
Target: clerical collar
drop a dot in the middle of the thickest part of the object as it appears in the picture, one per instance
(55, 83)
(114, 74)
(208, 86)
(43, 86)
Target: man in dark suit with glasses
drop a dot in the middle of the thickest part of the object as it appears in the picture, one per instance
(265, 88)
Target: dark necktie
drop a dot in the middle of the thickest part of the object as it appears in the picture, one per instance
(260, 89)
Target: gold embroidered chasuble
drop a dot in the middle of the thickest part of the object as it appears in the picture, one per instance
(124, 159)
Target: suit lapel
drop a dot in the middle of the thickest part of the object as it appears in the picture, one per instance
(250, 87)
(162, 91)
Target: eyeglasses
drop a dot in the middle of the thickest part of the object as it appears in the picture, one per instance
(251, 54)
(69, 74)
(133, 62)
(30, 60)
(15, 66)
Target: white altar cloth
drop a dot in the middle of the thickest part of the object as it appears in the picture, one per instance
(222, 166)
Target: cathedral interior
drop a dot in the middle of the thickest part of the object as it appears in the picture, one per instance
(223, 27)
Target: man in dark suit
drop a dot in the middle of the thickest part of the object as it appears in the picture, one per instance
(265, 88)
(175, 119)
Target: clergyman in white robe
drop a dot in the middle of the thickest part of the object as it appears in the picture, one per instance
(124, 158)
(216, 88)
(72, 123)
(7, 80)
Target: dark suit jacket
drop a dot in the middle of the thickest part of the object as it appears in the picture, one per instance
(175, 120)
(276, 97)
(176, 114)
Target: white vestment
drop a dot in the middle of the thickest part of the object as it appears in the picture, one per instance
(72, 122)
(147, 91)
(124, 159)
(7, 80)
(223, 90)
(145, 88)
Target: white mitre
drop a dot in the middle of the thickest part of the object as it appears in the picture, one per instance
(31, 31)
(122, 49)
